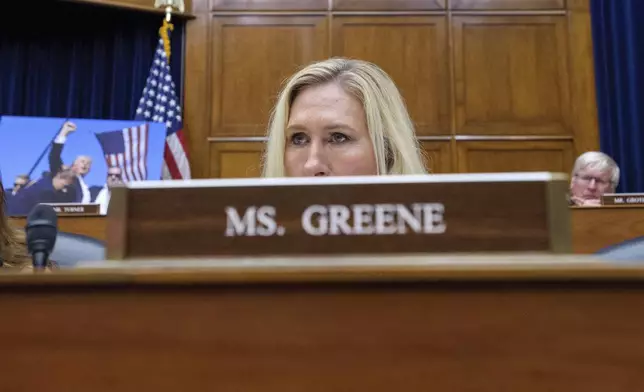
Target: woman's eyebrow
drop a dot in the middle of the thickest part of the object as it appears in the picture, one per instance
(330, 127)
(296, 127)
(335, 126)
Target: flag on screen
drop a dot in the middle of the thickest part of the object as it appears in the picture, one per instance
(127, 149)
(159, 103)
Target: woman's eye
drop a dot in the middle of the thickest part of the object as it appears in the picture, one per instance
(298, 139)
(338, 137)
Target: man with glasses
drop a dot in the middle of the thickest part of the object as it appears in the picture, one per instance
(593, 175)
(114, 177)
(19, 183)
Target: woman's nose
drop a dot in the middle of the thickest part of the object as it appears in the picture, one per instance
(316, 162)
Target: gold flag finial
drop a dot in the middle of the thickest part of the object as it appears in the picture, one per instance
(165, 36)
(169, 6)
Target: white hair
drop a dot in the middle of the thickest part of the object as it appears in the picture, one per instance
(599, 161)
(392, 133)
(87, 157)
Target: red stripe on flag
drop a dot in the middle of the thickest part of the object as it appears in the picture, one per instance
(184, 153)
(183, 142)
(132, 134)
(170, 162)
(144, 153)
(177, 157)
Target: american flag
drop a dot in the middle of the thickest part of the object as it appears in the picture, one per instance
(127, 149)
(159, 103)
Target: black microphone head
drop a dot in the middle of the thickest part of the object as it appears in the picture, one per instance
(41, 229)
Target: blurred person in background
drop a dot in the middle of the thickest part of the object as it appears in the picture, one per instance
(593, 175)
(81, 165)
(13, 247)
(114, 177)
(19, 183)
(46, 190)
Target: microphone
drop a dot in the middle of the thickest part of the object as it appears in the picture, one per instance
(41, 229)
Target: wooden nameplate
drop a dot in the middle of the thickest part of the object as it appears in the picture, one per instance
(75, 209)
(623, 199)
(340, 215)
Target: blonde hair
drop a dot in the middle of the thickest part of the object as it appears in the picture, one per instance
(392, 133)
(599, 161)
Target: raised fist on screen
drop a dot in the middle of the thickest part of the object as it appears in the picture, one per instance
(68, 127)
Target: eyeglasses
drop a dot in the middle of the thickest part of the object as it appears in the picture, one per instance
(115, 176)
(589, 179)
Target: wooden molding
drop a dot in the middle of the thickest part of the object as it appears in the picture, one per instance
(136, 5)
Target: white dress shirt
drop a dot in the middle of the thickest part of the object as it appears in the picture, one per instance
(103, 199)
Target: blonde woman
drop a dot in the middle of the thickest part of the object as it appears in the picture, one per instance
(341, 117)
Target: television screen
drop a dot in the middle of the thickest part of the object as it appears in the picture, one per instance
(72, 163)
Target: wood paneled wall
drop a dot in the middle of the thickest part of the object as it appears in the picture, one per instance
(492, 85)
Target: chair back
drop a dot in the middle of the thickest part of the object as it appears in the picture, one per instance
(629, 250)
(72, 248)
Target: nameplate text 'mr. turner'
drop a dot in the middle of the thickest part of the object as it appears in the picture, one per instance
(342, 215)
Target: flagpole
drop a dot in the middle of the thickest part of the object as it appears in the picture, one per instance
(159, 102)
(168, 13)
(164, 32)
(45, 150)
(169, 6)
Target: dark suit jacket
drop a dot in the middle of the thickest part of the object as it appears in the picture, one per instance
(42, 191)
(56, 164)
(8, 195)
(94, 191)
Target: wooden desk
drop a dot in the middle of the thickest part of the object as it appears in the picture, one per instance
(379, 324)
(596, 228)
(592, 228)
(93, 226)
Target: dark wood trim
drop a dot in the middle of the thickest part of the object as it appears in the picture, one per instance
(135, 7)
(511, 137)
(559, 218)
(236, 139)
(578, 5)
(197, 95)
(584, 120)
(509, 13)
(115, 220)
(390, 268)
(523, 5)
